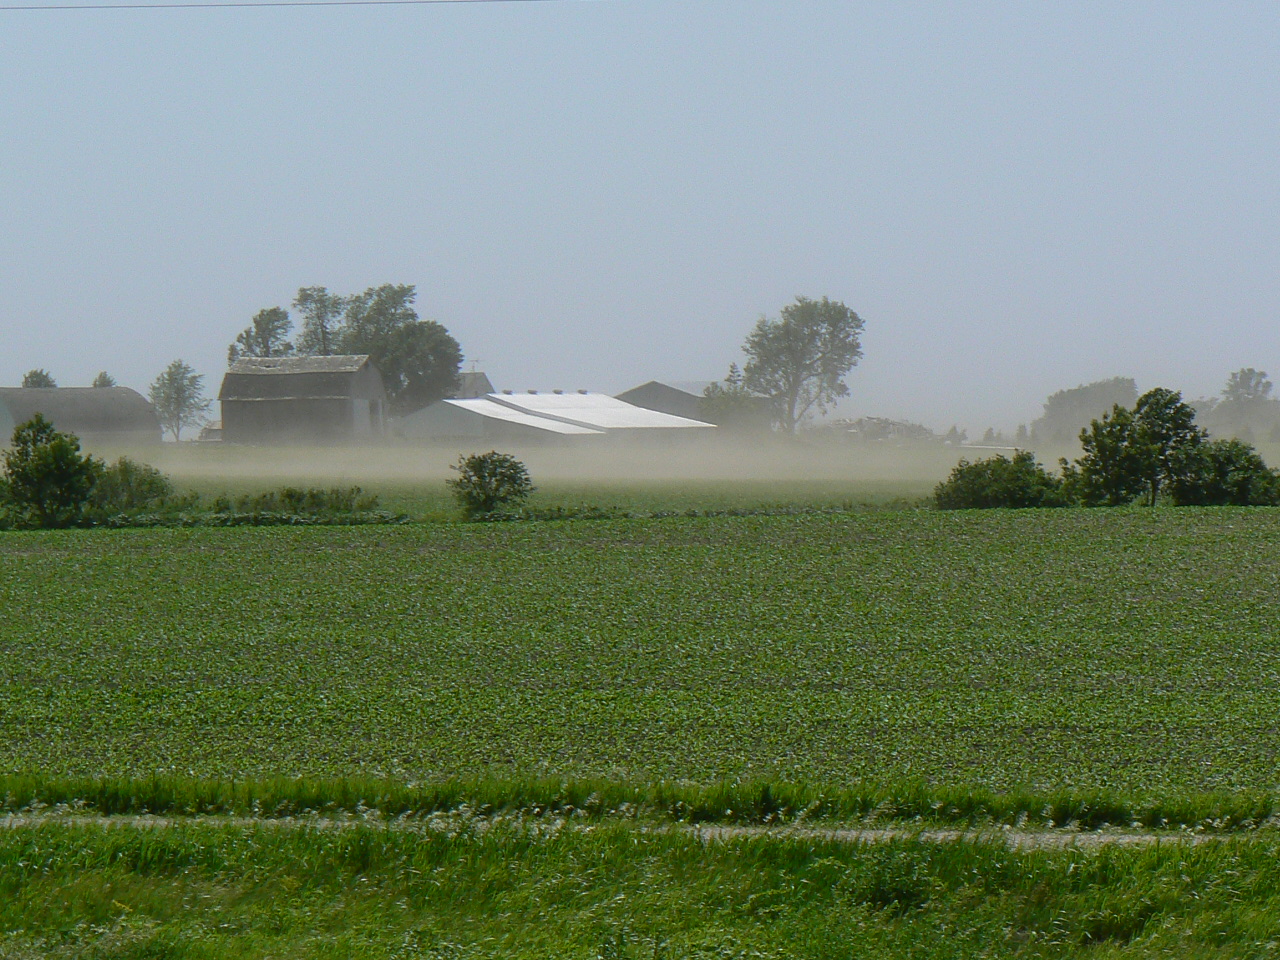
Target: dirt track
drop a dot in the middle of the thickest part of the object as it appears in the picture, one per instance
(853, 834)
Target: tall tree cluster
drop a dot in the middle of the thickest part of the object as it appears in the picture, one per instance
(418, 359)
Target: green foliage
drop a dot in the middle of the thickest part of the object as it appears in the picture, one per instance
(321, 320)
(127, 486)
(800, 360)
(1000, 482)
(1133, 453)
(1067, 412)
(418, 359)
(731, 406)
(47, 479)
(1111, 470)
(38, 378)
(265, 337)
(1223, 472)
(489, 481)
(311, 501)
(178, 397)
(104, 379)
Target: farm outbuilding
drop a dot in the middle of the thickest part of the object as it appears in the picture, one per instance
(111, 415)
(601, 412)
(482, 419)
(665, 398)
(536, 416)
(302, 400)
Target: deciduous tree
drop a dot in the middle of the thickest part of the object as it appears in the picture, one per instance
(266, 336)
(800, 360)
(418, 359)
(46, 475)
(177, 395)
(321, 321)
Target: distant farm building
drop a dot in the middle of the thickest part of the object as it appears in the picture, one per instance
(544, 416)
(302, 400)
(111, 415)
(665, 398)
(472, 384)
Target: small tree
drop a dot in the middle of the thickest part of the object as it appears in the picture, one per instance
(1111, 471)
(265, 337)
(731, 405)
(104, 379)
(1000, 482)
(38, 378)
(45, 474)
(177, 396)
(487, 481)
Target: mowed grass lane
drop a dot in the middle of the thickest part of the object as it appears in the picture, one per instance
(1134, 650)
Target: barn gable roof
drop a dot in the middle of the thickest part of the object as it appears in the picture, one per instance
(302, 378)
(84, 411)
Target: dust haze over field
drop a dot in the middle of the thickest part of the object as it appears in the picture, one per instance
(1016, 199)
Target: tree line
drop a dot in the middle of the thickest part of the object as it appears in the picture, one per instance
(1150, 452)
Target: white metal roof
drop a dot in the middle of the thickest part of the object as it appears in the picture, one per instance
(497, 411)
(596, 410)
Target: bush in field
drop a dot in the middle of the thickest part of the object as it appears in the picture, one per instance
(487, 481)
(1222, 472)
(311, 501)
(126, 486)
(1000, 482)
(47, 480)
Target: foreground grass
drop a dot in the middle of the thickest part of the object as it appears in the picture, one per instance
(741, 803)
(1130, 652)
(542, 889)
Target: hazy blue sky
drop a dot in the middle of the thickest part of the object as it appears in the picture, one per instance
(1016, 197)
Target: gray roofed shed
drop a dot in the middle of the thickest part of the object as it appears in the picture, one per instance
(94, 414)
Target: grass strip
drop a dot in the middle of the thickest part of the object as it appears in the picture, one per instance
(756, 802)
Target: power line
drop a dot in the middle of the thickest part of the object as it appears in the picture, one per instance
(249, 3)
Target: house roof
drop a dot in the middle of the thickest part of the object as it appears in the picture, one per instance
(496, 411)
(595, 410)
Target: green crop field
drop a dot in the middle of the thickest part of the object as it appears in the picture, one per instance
(1131, 650)
(530, 715)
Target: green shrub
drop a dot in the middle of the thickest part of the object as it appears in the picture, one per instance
(47, 480)
(488, 481)
(303, 502)
(1221, 473)
(1000, 482)
(126, 486)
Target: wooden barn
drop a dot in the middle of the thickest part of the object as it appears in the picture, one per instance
(313, 400)
(116, 416)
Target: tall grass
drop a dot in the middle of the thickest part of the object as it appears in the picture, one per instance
(753, 802)
(460, 887)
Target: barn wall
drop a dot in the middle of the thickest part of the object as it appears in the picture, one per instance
(290, 420)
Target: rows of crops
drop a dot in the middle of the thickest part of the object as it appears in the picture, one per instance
(1124, 649)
